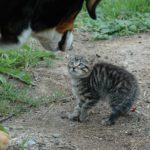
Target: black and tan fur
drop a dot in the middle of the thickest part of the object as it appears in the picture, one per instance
(21, 18)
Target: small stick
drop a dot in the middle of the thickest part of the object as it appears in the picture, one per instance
(8, 117)
(66, 98)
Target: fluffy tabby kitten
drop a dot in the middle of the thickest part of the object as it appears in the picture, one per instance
(94, 82)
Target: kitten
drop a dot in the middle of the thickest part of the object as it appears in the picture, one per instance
(94, 82)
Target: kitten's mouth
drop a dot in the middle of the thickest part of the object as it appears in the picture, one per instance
(73, 72)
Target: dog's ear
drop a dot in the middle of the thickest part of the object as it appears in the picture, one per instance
(91, 7)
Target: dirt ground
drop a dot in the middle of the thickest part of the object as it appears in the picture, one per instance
(43, 129)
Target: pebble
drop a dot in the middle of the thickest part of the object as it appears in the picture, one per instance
(128, 133)
(56, 135)
(148, 85)
(131, 53)
(147, 101)
(56, 142)
(30, 142)
(106, 57)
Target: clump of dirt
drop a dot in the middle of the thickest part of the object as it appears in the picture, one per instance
(43, 129)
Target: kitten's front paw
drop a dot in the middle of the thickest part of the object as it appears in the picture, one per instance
(107, 121)
(73, 117)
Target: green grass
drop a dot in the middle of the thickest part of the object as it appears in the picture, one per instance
(23, 143)
(14, 100)
(15, 64)
(2, 128)
(116, 18)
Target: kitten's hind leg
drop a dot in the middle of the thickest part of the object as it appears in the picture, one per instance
(110, 120)
(118, 109)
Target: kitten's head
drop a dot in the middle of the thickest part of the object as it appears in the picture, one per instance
(79, 67)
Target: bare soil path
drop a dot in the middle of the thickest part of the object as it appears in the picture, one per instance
(43, 129)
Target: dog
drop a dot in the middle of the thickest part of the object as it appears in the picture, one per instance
(50, 21)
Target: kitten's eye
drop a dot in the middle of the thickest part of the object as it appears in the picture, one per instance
(81, 65)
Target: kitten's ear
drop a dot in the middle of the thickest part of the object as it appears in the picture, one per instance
(91, 7)
(93, 59)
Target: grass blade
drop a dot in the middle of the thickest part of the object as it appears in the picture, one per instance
(16, 73)
(2, 80)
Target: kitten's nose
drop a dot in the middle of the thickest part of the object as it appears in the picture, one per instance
(73, 68)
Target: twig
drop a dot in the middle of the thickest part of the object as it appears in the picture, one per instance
(8, 117)
(60, 100)
(66, 98)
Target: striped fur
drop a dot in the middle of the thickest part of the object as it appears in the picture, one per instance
(91, 83)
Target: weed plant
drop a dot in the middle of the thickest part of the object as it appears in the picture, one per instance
(116, 18)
